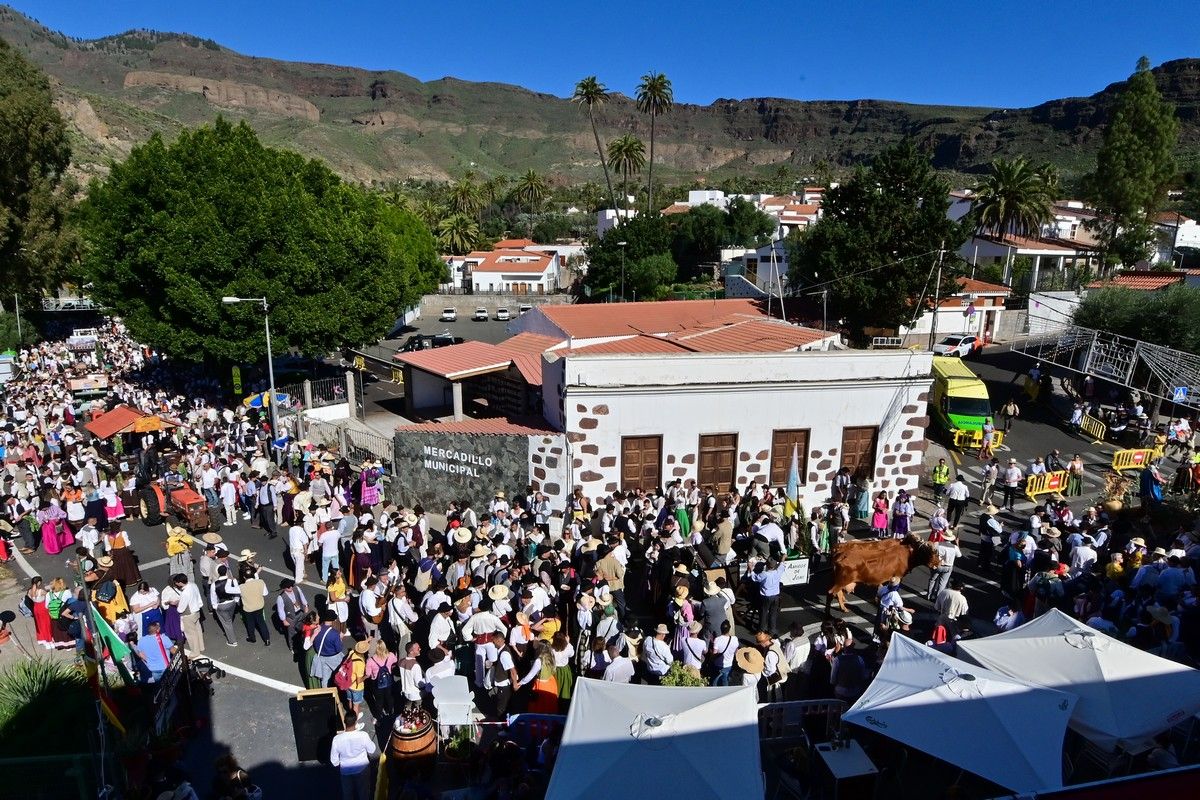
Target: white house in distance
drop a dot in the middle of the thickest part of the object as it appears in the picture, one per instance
(972, 307)
(635, 395)
(520, 269)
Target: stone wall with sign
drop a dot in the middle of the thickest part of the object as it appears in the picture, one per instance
(433, 468)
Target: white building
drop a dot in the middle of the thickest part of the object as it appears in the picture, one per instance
(508, 271)
(640, 394)
(609, 218)
(971, 307)
(1175, 232)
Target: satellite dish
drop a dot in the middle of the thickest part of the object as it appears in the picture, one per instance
(784, 229)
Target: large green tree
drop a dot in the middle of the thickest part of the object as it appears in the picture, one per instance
(1170, 317)
(591, 93)
(1134, 167)
(177, 226)
(643, 236)
(654, 97)
(877, 240)
(36, 242)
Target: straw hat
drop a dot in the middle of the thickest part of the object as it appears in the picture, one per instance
(500, 494)
(522, 618)
(991, 509)
(1054, 533)
(211, 538)
(750, 660)
(247, 554)
(104, 561)
(176, 530)
(481, 550)
(362, 648)
(323, 502)
(589, 545)
(681, 569)
(695, 627)
(1138, 541)
(698, 526)
(1161, 614)
(410, 519)
(499, 592)
(711, 589)
(587, 602)
(948, 535)
(463, 536)
(661, 629)
(1158, 551)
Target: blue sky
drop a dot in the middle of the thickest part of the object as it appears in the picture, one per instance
(1002, 53)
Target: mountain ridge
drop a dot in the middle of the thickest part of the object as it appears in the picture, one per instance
(379, 126)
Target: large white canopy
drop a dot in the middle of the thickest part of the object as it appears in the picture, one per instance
(1000, 728)
(658, 742)
(1125, 694)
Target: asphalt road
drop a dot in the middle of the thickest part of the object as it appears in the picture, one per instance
(492, 331)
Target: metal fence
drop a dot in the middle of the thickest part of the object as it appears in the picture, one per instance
(352, 440)
(328, 391)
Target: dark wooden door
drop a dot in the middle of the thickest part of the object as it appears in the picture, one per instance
(783, 444)
(858, 450)
(641, 462)
(718, 460)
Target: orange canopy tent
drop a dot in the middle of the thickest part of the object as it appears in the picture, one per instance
(125, 419)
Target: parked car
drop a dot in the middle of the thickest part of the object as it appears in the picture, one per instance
(449, 315)
(961, 346)
(428, 341)
(523, 308)
(502, 315)
(480, 315)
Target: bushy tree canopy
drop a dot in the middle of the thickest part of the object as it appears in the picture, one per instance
(646, 235)
(1170, 317)
(36, 244)
(877, 239)
(177, 226)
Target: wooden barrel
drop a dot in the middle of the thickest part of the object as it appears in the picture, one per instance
(421, 743)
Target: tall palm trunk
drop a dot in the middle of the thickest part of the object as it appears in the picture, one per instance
(650, 172)
(612, 198)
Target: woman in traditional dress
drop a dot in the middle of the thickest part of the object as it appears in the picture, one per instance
(56, 536)
(902, 514)
(35, 599)
(144, 605)
(337, 598)
(563, 652)
(57, 599)
(72, 499)
(879, 515)
(117, 545)
(114, 507)
(544, 699)
(682, 615)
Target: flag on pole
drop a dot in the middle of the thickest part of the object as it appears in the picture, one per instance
(792, 505)
(108, 637)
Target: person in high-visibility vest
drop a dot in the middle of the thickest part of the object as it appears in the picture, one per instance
(940, 476)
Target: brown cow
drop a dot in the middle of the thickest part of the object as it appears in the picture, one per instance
(875, 561)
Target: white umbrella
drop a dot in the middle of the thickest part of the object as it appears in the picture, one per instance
(1125, 694)
(1003, 729)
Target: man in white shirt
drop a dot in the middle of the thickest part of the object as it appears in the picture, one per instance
(620, 668)
(441, 630)
(656, 656)
(351, 753)
(186, 597)
(1012, 482)
(298, 549)
(501, 674)
(480, 629)
(957, 494)
(370, 606)
(947, 550)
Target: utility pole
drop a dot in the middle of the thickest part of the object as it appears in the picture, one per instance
(937, 292)
(825, 310)
(17, 308)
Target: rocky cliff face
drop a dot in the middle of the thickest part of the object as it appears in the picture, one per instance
(380, 126)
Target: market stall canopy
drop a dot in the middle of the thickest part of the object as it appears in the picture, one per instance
(1004, 729)
(1126, 695)
(149, 424)
(658, 742)
(120, 420)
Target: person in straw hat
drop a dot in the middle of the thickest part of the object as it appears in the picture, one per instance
(656, 655)
(991, 537)
(358, 676)
(947, 551)
(179, 549)
(751, 662)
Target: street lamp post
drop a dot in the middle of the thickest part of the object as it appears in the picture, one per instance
(622, 246)
(229, 301)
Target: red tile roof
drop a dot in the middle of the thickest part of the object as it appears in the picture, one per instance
(458, 360)
(595, 320)
(1171, 218)
(1143, 280)
(529, 343)
(524, 261)
(676, 208)
(488, 426)
(972, 286)
(530, 367)
(806, 209)
(513, 244)
(113, 422)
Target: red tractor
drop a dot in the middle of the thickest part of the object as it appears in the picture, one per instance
(177, 501)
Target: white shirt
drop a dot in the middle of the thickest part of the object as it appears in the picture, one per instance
(297, 538)
(958, 491)
(189, 598)
(440, 629)
(656, 655)
(619, 671)
(351, 751)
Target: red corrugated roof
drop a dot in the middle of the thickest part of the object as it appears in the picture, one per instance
(490, 426)
(749, 336)
(458, 360)
(1143, 281)
(513, 244)
(631, 345)
(523, 261)
(972, 286)
(528, 343)
(530, 367)
(113, 422)
(589, 321)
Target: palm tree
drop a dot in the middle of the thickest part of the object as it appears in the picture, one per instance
(627, 154)
(494, 188)
(1014, 198)
(429, 212)
(457, 234)
(531, 189)
(591, 93)
(465, 197)
(654, 97)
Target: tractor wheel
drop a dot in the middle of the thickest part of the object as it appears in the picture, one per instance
(151, 516)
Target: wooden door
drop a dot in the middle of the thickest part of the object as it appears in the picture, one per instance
(718, 459)
(858, 450)
(783, 444)
(641, 462)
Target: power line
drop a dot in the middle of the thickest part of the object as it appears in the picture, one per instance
(811, 286)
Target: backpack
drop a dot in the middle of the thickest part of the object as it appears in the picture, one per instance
(424, 579)
(383, 679)
(106, 592)
(344, 677)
